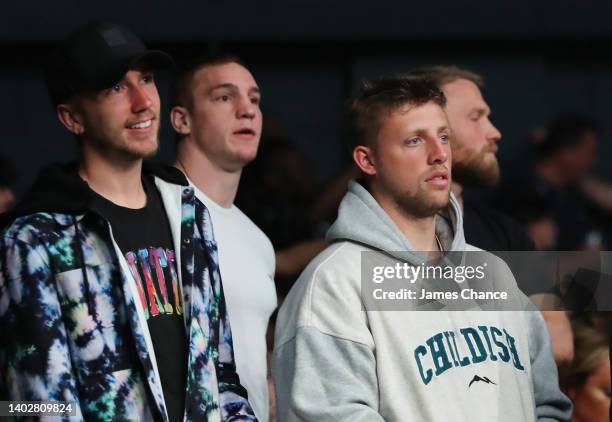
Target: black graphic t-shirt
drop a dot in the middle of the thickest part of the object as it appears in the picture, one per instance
(144, 237)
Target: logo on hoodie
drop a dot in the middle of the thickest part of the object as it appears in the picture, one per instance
(470, 346)
(483, 379)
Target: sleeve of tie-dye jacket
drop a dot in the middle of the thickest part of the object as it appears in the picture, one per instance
(34, 356)
(233, 396)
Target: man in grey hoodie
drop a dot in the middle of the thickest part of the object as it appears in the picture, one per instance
(337, 359)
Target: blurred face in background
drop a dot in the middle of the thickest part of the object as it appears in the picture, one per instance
(6, 198)
(544, 232)
(592, 399)
(474, 141)
(577, 161)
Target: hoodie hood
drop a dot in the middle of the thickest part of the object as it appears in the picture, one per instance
(362, 220)
(60, 189)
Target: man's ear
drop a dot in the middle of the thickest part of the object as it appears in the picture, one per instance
(71, 120)
(179, 117)
(364, 158)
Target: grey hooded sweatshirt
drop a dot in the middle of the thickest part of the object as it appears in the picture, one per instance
(335, 361)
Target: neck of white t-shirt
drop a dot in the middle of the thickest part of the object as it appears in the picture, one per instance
(213, 206)
(216, 183)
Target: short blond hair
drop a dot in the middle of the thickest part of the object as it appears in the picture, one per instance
(442, 75)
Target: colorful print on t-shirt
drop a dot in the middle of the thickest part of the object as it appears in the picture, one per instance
(154, 270)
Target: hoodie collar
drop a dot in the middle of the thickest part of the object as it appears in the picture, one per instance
(362, 220)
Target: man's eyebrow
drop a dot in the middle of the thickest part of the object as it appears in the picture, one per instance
(419, 131)
(232, 87)
(228, 85)
(423, 131)
(481, 110)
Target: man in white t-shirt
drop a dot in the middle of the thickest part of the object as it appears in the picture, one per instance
(216, 115)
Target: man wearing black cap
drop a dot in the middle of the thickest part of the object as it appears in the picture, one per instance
(110, 294)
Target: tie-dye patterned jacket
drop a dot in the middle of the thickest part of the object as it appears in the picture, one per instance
(71, 327)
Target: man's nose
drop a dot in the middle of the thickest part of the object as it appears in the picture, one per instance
(493, 134)
(141, 99)
(246, 108)
(438, 152)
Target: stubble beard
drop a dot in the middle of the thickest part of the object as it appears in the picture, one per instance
(421, 204)
(119, 148)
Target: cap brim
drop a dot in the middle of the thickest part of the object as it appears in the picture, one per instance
(155, 59)
(151, 60)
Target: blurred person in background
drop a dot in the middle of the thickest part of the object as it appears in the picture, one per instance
(474, 143)
(587, 379)
(537, 216)
(280, 192)
(8, 178)
(560, 177)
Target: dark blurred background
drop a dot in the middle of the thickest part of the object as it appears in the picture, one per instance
(538, 58)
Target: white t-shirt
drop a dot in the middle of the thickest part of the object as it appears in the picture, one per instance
(247, 262)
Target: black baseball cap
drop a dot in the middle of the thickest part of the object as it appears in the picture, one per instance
(95, 57)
